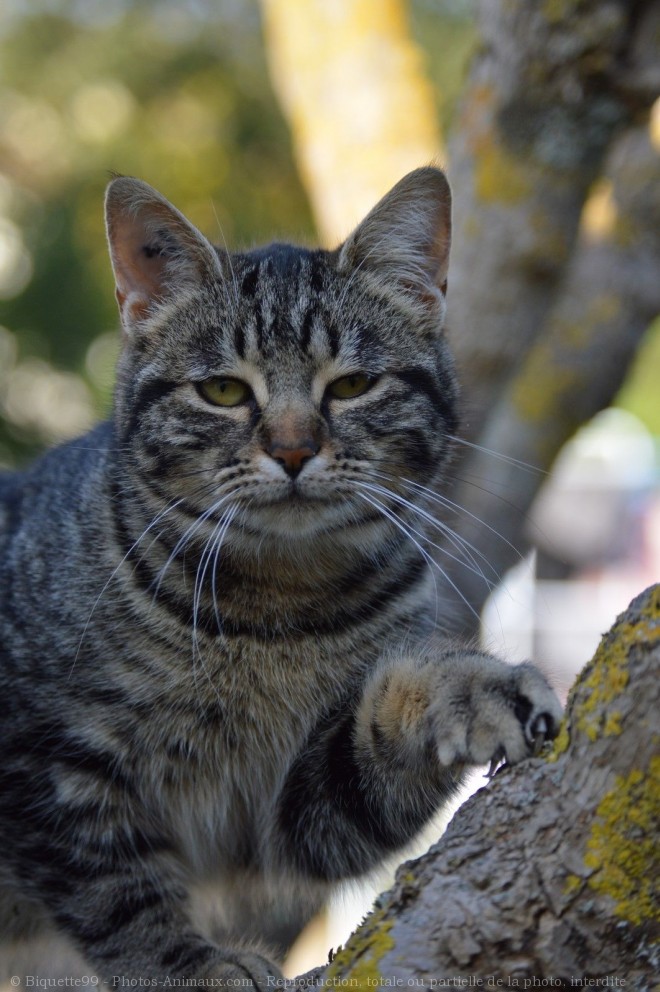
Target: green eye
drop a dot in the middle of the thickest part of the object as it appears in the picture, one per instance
(350, 385)
(224, 392)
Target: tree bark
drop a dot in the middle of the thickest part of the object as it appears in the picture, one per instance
(550, 875)
(544, 99)
(352, 85)
(573, 369)
(545, 313)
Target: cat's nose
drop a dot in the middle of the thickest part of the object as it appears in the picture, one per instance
(293, 457)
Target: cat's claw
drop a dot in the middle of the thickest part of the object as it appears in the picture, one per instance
(538, 731)
(497, 763)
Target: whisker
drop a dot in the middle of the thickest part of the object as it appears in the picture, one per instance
(338, 304)
(163, 513)
(228, 256)
(516, 462)
(212, 549)
(457, 542)
(377, 505)
(430, 560)
(445, 501)
(193, 473)
(185, 539)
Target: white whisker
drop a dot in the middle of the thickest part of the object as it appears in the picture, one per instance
(377, 505)
(185, 539)
(455, 539)
(163, 513)
(516, 462)
(227, 255)
(431, 561)
(213, 544)
(445, 501)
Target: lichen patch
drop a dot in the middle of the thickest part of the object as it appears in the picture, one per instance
(622, 848)
(360, 959)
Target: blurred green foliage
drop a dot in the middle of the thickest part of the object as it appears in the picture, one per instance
(177, 94)
(173, 91)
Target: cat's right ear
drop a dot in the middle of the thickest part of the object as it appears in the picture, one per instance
(156, 253)
(403, 243)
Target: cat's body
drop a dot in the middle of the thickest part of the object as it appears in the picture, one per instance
(218, 647)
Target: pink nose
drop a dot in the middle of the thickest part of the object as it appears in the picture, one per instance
(292, 458)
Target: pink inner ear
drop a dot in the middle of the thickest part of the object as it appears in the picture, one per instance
(155, 251)
(139, 267)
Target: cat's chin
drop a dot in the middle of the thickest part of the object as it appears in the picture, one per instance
(297, 519)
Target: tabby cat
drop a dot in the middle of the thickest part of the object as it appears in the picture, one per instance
(219, 636)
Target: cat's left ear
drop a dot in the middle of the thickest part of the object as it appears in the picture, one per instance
(156, 253)
(404, 241)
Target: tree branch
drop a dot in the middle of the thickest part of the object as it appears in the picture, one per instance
(551, 871)
(610, 294)
(351, 82)
(542, 105)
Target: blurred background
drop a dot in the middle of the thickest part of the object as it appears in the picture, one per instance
(177, 93)
(289, 119)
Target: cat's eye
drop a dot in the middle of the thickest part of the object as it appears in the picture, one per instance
(350, 385)
(223, 391)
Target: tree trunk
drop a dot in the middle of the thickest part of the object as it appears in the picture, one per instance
(574, 368)
(545, 313)
(550, 875)
(352, 86)
(545, 96)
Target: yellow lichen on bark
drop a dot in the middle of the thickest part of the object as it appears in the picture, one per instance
(590, 711)
(558, 11)
(359, 960)
(537, 391)
(622, 849)
(560, 743)
(499, 177)
(607, 675)
(352, 84)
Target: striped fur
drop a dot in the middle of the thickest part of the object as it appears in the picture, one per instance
(218, 670)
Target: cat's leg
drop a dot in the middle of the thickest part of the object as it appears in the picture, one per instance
(375, 771)
(466, 706)
(116, 893)
(29, 944)
(266, 910)
(133, 925)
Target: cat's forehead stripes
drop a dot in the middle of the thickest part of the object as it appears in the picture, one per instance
(284, 292)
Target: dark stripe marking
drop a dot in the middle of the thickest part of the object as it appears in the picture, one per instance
(422, 381)
(144, 397)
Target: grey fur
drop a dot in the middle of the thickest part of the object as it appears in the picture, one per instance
(219, 646)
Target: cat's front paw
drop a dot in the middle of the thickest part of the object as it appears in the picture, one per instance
(486, 712)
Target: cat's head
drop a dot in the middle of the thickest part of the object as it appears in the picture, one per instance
(293, 383)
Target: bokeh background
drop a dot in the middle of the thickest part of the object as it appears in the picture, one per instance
(176, 93)
(288, 119)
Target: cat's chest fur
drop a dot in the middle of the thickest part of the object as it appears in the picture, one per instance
(222, 733)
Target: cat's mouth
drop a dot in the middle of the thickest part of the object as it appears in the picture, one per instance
(295, 512)
(297, 499)
(294, 493)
